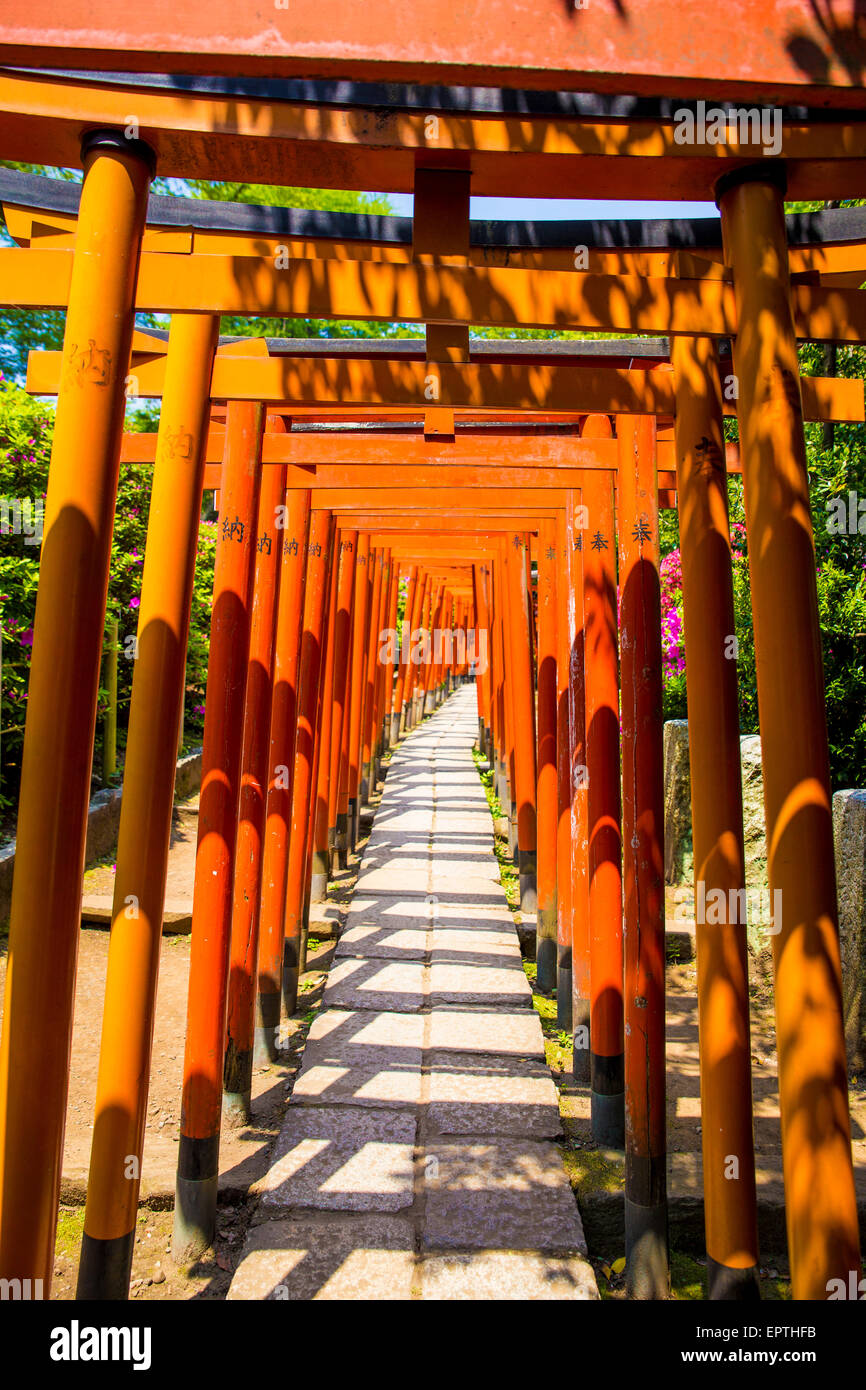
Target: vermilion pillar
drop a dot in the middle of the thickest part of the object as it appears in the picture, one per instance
(421, 650)
(507, 796)
(497, 700)
(580, 978)
(319, 856)
(198, 1152)
(388, 705)
(61, 709)
(281, 761)
(523, 706)
(360, 611)
(402, 683)
(717, 823)
(432, 614)
(146, 810)
(564, 616)
(411, 680)
(244, 943)
(303, 777)
(374, 578)
(342, 649)
(643, 860)
(816, 1138)
(376, 735)
(317, 841)
(604, 867)
(437, 600)
(546, 790)
(482, 660)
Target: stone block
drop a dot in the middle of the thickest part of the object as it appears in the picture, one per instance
(849, 835)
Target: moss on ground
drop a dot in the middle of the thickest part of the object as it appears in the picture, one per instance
(70, 1229)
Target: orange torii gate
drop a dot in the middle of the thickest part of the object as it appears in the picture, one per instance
(103, 279)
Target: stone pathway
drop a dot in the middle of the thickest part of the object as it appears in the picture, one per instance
(417, 1158)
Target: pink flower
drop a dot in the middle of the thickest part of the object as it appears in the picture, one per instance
(26, 638)
(134, 602)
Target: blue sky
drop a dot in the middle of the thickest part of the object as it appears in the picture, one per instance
(559, 208)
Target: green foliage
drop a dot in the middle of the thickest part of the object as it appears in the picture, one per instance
(26, 428)
(835, 471)
(326, 200)
(25, 433)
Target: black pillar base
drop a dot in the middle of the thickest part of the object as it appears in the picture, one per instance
(727, 1285)
(546, 950)
(607, 1100)
(647, 1273)
(237, 1085)
(581, 1057)
(195, 1201)
(319, 877)
(291, 949)
(267, 1035)
(104, 1268)
(526, 865)
(341, 841)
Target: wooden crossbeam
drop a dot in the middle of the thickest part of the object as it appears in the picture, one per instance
(356, 457)
(843, 264)
(416, 293)
(383, 383)
(210, 135)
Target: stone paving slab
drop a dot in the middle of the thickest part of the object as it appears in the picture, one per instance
(334, 1075)
(499, 1194)
(341, 1159)
(376, 984)
(478, 917)
(474, 947)
(510, 1033)
(360, 1030)
(506, 1275)
(391, 877)
(382, 941)
(452, 983)
(473, 1094)
(369, 1257)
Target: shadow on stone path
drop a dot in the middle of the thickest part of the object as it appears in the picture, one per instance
(418, 1157)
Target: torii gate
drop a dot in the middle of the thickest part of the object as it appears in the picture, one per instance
(103, 279)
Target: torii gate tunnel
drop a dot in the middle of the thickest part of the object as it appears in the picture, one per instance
(452, 471)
